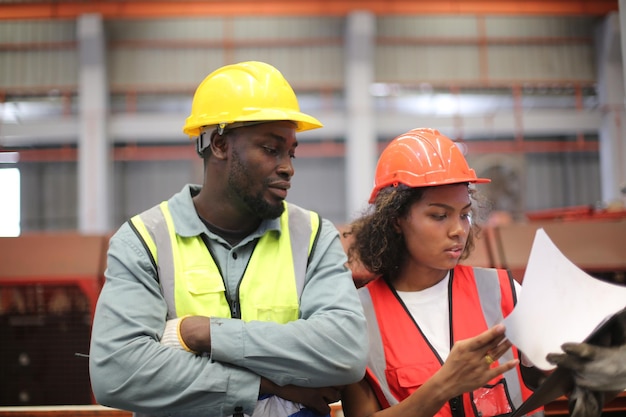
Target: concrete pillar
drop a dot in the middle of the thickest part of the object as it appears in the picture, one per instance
(361, 138)
(610, 46)
(94, 150)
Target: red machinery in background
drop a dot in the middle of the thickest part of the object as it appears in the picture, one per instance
(49, 285)
(592, 239)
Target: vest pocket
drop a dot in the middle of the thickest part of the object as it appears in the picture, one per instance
(200, 282)
(412, 377)
(278, 314)
(204, 294)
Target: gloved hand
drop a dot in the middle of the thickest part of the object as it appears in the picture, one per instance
(171, 335)
(582, 402)
(594, 367)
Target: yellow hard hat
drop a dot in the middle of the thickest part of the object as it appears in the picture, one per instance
(245, 92)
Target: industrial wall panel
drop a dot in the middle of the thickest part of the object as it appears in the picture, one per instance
(557, 180)
(59, 187)
(165, 29)
(140, 185)
(304, 67)
(37, 31)
(426, 27)
(319, 184)
(427, 64)
(161, 69)
(31, 207)
(287, 28)
(540, 26)
(545, 179)
(581, 168)
(49, 196)
(161, 66)
(538, 48)
(540, 63)
(51, 68)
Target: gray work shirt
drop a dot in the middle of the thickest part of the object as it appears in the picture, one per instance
(131, 370)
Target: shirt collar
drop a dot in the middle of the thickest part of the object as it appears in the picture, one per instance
(187, 223)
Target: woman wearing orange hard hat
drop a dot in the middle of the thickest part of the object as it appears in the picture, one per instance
(435, 345)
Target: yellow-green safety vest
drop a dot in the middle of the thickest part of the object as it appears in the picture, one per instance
(191, 281)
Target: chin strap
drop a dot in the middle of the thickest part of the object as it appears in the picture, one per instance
(201, 144)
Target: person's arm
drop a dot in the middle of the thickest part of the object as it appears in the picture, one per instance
(317, 399)
(465, 370)
(130, 369)
(192, 333)
(326, 346)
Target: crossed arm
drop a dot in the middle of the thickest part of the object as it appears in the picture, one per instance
(130, 369)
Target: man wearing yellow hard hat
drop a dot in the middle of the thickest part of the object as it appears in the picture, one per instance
(225, 299)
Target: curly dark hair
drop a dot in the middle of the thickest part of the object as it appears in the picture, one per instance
(377, 244)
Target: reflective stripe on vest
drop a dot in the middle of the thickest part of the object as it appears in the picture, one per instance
(401, 359)
(191, 281)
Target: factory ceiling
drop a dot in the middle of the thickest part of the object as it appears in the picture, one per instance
(150, 9)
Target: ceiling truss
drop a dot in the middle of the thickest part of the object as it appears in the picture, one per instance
(150, 9)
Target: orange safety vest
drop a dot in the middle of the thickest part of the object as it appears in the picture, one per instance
(402, 359)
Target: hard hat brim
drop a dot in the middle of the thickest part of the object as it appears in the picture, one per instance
(303, 121)
(434, 183)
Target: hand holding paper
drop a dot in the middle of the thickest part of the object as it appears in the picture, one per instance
(559, 303)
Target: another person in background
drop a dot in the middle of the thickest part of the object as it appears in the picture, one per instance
(225, 299)
(436, 345)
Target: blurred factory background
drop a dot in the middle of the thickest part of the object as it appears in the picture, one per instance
(94, 94)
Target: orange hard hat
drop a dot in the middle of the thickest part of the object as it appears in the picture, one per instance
(422, 158)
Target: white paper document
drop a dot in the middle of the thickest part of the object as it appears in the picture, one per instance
(559, 303)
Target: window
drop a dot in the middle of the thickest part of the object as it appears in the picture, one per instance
(10, 197)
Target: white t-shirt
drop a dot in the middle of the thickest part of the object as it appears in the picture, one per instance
(430, 311)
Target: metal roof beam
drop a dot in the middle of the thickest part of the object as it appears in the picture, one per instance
(167, 128)
(137, 9)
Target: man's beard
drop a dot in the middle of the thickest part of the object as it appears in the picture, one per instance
(239, 179)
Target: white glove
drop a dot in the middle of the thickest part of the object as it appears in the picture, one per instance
(171, 335)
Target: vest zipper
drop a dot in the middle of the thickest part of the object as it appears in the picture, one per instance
(235, 306)
(235, 311)
(235, 303)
